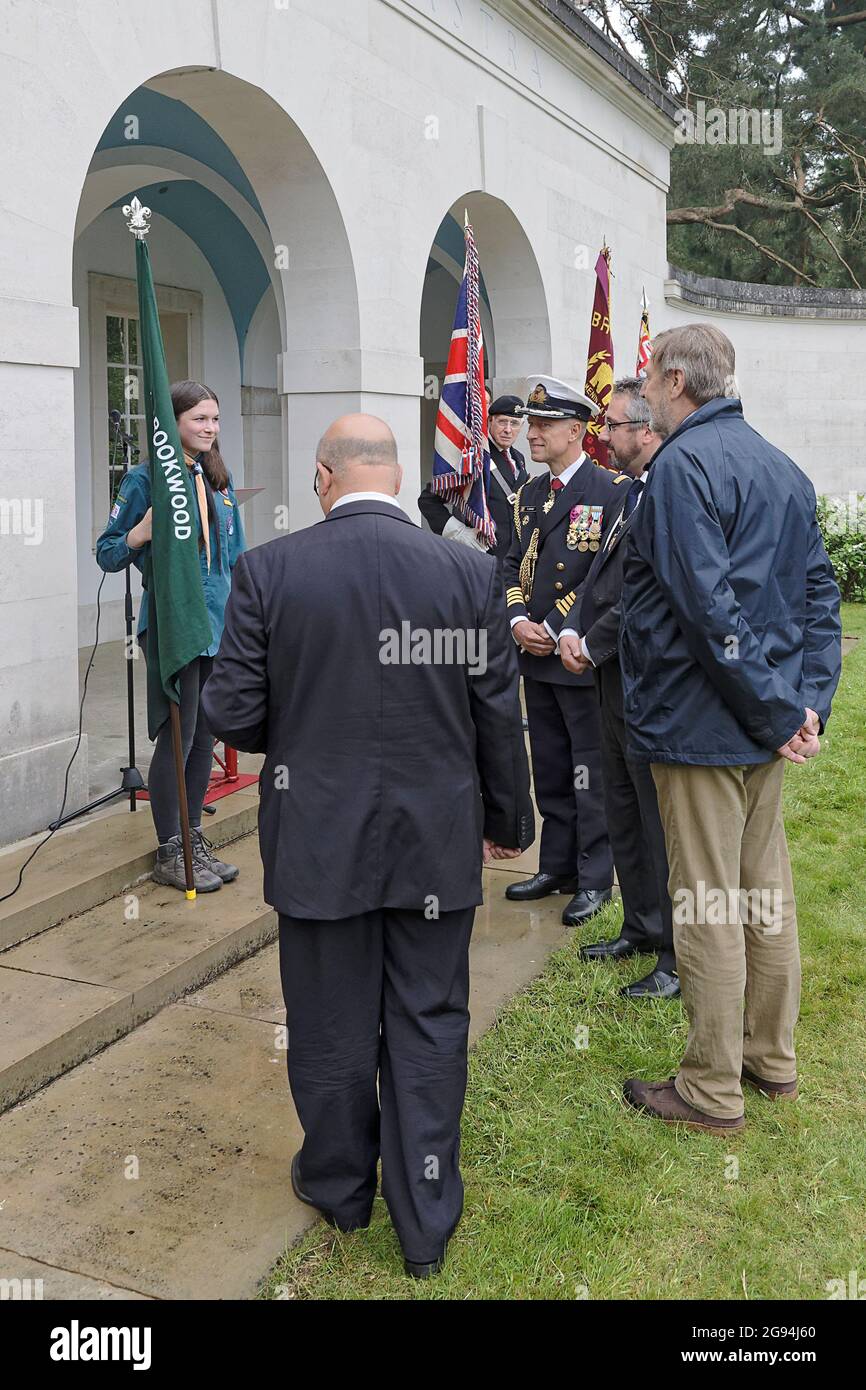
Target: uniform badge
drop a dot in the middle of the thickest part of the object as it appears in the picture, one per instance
(538, 396)
(115, 511)
(594, 530)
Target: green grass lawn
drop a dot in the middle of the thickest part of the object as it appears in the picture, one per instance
(570, 1194)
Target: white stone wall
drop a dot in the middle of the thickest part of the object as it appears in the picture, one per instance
(801, 383)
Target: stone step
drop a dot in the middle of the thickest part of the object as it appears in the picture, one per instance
(89, 861)
(69, 991)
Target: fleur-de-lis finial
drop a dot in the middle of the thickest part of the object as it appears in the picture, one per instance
(137, 219)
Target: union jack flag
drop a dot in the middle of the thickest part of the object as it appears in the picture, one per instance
(461, 457)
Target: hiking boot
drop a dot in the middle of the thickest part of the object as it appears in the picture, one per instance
(170, 869)
(775, 1090)
(202, 853)
(663, 1100)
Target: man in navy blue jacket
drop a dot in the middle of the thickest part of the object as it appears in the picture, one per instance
(730, 649)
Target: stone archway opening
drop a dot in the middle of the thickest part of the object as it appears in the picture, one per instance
(254, 279)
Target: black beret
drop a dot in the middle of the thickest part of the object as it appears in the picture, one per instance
(507, 405)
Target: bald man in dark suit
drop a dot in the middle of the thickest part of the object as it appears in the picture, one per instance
(374, 668)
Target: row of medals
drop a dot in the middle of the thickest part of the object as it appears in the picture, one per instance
(584, 532)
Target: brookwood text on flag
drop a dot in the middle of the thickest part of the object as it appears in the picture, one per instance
(461, 457)
(179, 628)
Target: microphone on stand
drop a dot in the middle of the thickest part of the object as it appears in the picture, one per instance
(115, 418)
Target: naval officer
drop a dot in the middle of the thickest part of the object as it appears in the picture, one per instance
(561, 519)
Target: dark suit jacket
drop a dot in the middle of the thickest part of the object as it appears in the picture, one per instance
(393, 768)
(599, 614)
(436, 513)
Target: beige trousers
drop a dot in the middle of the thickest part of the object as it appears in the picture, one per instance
(735, 927)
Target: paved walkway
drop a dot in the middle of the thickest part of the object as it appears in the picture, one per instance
(159, 1167)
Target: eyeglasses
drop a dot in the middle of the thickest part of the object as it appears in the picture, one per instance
(316, 477)
(615, 424)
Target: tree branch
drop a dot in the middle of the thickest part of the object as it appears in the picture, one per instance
(810, 16)
(733, 196)
(764, 250)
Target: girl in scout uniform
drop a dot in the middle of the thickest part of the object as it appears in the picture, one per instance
(125, 540)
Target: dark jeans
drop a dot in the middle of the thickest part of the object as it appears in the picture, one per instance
(197, 744)
(381, 996)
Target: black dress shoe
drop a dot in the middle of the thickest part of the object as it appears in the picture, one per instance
(658, 984)
(620, 948)
(326, 1215)
(585, 904)
(539, 886)
(424, 1271)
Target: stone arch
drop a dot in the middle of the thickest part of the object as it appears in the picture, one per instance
(229, 176)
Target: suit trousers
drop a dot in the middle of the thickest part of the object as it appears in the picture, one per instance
(565, 741)
(637, 835)
(735, 927)
(380, 998)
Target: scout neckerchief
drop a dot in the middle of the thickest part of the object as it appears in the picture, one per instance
(201, 494)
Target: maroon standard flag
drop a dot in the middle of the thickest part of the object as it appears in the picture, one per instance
(599, 366)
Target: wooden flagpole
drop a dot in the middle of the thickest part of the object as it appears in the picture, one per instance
(186, 838)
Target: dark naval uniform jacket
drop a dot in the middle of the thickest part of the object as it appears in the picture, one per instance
(436, 512)
(553, 551)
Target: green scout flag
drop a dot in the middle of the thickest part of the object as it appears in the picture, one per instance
(179, 628)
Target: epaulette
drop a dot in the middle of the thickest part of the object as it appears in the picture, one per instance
(622, 477)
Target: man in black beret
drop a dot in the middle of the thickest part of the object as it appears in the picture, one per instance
(507, 473)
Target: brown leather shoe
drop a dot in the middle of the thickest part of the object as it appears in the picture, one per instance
(663, 1100)
(775, 1090)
